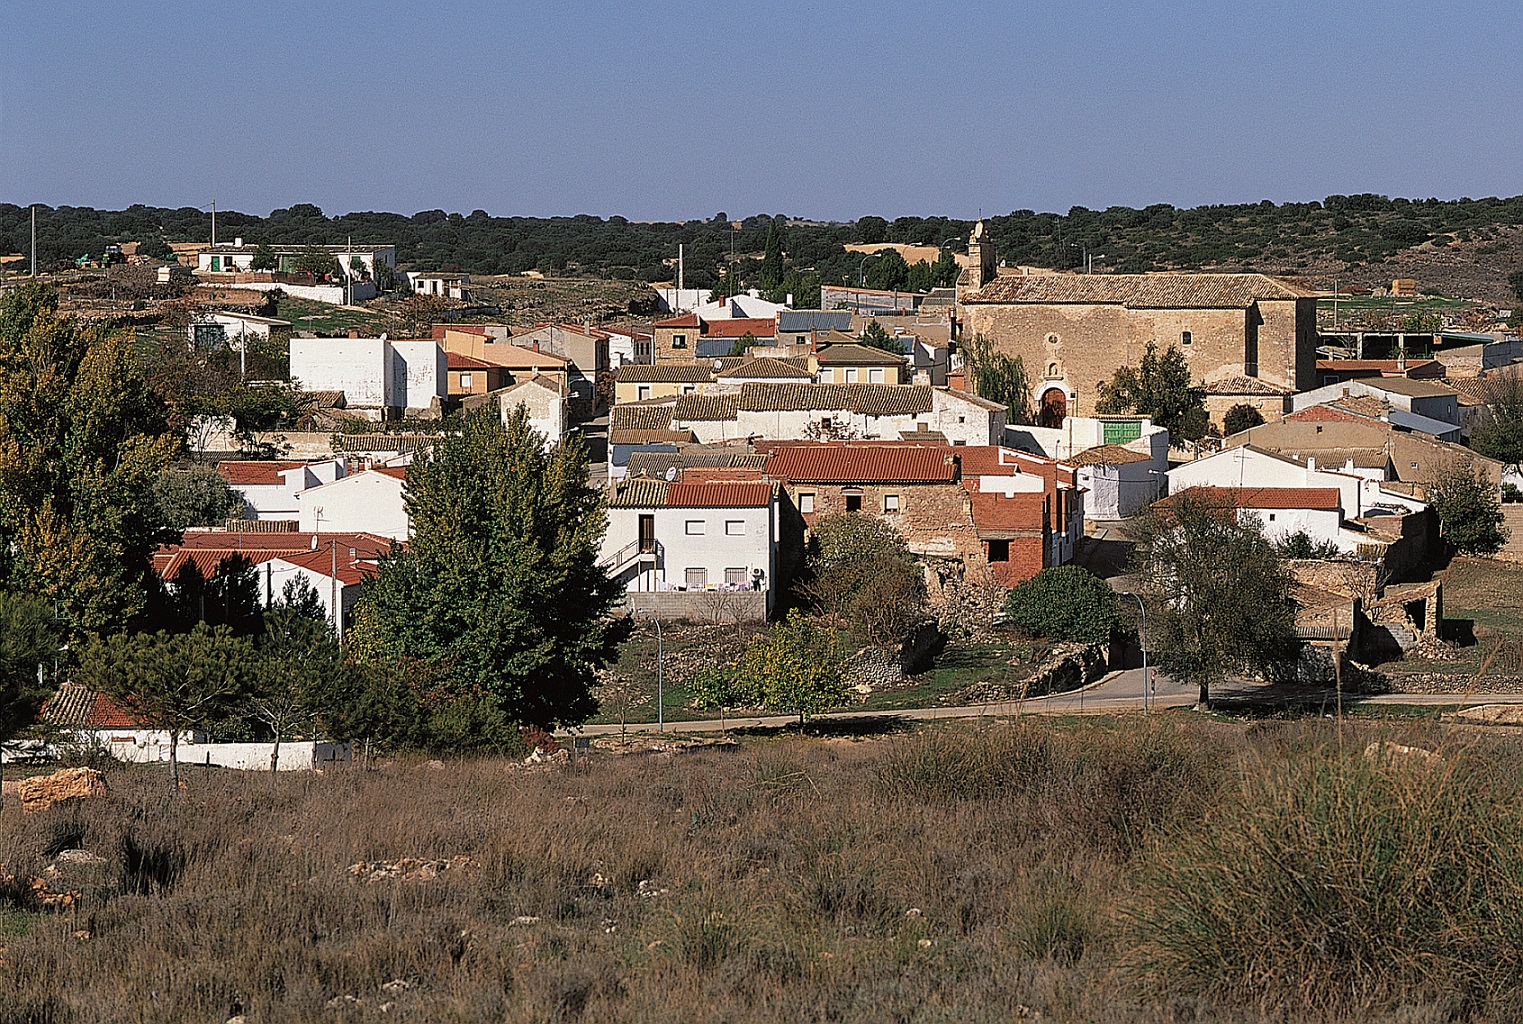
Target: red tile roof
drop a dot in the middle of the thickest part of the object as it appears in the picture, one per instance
(739, 326)
(719, 494)
(236, 473)
(1314, 498)
(350, 571)
(1326, 413)
(396, 472)
(690, 320)
(862, 464)
(106, 715)
(208, 548)
(456, 361)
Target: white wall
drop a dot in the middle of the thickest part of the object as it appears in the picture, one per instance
(1242, 467)
(546, 410)
(367, 502)
(1319, 524)
(420, 373)
(713, 550)
(355, 366)
(277, 572)
(153, 748)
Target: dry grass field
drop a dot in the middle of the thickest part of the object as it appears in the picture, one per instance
(1172, 870)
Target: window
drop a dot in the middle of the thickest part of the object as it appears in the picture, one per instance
(1185, 337)
(642, 392)
(999, 551)
(679, 341)
(697, 579)
(962, 419)
(466, 380)
(825, 423)
(735, 527)
(1414, 465)
(1271, 517)
(735, 577)
(1052, 339)
(1319, 429)
(694, 528)
(875, 375)
(687, 389)
(806, 503)
(891, 503)
(851, 375)
(853, 502)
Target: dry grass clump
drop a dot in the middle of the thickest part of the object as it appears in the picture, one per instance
(958, 874)
(1348, 879)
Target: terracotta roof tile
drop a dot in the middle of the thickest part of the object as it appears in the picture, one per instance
(255, 473)
(664, 373)
(691, 408)
(456, 361)
(864, 399)
(862, 464)
(641, 417)
(1246, 386)
(1140, 291)
(739, 326)
(1108, 455)
(689, 320)
(762, 366)
(1314, 498)
(852, 354)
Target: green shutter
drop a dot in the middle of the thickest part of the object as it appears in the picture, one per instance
(1122, 431)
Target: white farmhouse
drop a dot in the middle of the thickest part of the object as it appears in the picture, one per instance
(216, 328)
(1281, 511)
(373, 373)
(697, 540)
(1248, 466)
(372, 501)
(269, 489)
(543, 400)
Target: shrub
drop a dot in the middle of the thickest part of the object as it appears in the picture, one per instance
(1066, 602)
(1341, 882)
(1241, 417)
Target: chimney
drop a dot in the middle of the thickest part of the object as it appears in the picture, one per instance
(238, 242)
(535, 346)
(353, 333)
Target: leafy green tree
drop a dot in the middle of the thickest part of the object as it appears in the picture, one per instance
(797, 669)
(1469, 511)
(874, 336)
(1160, 389)
(858, 570)
(1064, 603)
(1500, 434)
(197, 496)
(83, 438)
(296, 662)
(1241, 416)
(264, 257)
(171, 681)
(499, 591)
(317, 261)
(742, 345)
(717, 687)
(1515, 282)
(1000, 378)
(872, 230)
(1217, 591)
(1301, 545)
(888, 271)
(771, 273)
(29, 637)
(153, 247)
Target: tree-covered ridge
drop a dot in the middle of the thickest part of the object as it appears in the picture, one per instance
(1339, 231)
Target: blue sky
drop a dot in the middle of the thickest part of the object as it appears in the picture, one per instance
(675, 110)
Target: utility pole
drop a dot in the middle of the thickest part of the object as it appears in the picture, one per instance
(34, 241)
(214, 223)
(338, 613)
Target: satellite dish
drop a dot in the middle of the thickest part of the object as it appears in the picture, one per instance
(671, 473)
(314, 542)
(718, 363)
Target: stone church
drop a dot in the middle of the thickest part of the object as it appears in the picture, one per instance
(1241, 333)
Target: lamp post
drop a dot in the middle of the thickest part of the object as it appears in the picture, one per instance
(1142, 636)
(660, 696)
(862, 268)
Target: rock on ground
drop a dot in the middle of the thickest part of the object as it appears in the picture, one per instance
(44, 791)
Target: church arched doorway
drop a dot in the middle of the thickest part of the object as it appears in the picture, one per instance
(1054, 407)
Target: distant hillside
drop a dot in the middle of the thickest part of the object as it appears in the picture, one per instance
(1463, 247)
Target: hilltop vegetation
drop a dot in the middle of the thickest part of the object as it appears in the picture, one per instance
(1465, 246)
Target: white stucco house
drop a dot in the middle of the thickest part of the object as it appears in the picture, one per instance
(1119, 482)
(269, 489)
(694, 537)
(1281, 511)
(373, 373)
(215, 328)
(1249, 466)
(543, 401)
(371, 501)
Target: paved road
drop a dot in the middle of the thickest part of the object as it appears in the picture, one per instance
(1116, 693)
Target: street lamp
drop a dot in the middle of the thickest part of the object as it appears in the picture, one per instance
(1142, 636)
(862, 268)
(660, 695)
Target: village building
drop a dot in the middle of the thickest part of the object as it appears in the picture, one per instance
(471, 376)
(847, 362)
(269, 489)
(391, 376)
(1421, 405)
(215, 328)
(372, 501)
(1073, 330)
(700, 549)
